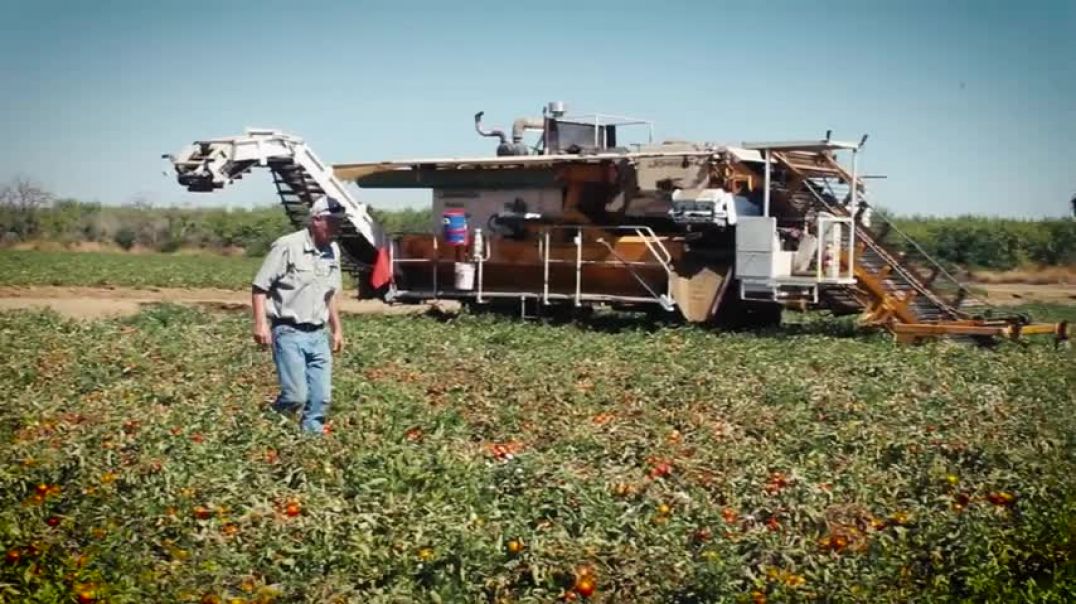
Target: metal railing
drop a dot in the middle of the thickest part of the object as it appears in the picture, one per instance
(906, 243)
(944, 282)
(913, 280)
(658, 255)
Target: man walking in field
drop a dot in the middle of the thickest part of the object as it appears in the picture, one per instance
(294, 296)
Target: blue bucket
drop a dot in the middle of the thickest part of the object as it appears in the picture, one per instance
(455, 222)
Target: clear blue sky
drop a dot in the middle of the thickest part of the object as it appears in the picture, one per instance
(970, 106)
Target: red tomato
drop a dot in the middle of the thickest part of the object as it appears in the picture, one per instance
(585, 586)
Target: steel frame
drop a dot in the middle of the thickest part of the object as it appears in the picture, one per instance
(653, 243)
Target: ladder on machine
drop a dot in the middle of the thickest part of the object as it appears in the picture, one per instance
(907, 292)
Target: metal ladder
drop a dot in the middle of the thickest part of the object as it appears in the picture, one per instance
(908, 292)
(297, 189)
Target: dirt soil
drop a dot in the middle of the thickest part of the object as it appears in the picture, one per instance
(99, 302)
(1026, 293)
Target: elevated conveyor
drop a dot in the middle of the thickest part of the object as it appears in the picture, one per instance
(299, 175)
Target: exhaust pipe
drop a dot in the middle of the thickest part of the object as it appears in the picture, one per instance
(478, 128)
(516, 147)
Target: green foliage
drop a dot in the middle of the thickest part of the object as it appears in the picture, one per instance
(993, 243)
(407, 220)
(679, 464)
(21, 204)
(125, 237)
(170, 229)
(126, 270)
(1051, 313)
(70, 220)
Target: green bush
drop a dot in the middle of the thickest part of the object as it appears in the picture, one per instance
(991, 243)
(259, 246)
(125, 237)
(407, 220)
(169, 229)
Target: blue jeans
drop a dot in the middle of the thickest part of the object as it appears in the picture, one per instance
(304, 366)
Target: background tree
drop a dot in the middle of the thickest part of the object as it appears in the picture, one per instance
(21, 201)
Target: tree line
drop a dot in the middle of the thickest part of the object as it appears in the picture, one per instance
(992, 243)
(30, 213)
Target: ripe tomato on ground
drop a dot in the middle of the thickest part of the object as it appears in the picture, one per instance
(585, 586)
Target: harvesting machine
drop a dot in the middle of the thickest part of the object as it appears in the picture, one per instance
(572, 212)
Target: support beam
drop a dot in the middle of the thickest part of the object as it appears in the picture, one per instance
(766, 184)
(855, 183)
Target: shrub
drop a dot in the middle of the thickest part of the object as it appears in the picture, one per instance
(992, 243)
(125, 237)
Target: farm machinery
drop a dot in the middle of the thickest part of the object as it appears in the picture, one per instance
(573, 212)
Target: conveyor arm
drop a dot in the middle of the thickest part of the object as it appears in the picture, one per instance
(301, 177)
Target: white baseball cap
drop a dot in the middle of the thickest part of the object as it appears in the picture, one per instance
(327, 206)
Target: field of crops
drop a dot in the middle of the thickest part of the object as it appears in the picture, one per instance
(482, 460)
(125, 270)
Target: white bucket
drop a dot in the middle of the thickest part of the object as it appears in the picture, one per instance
(831, 263)
(464, 276)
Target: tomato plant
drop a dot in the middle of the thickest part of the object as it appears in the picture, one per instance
(480, 459)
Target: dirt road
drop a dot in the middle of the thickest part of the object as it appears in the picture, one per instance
(1027, 293)
(96, 302)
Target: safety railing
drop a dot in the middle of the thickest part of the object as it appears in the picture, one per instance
(654, 246)
(483, 250)
(937, 278)
(897, 263)
(933, 273)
